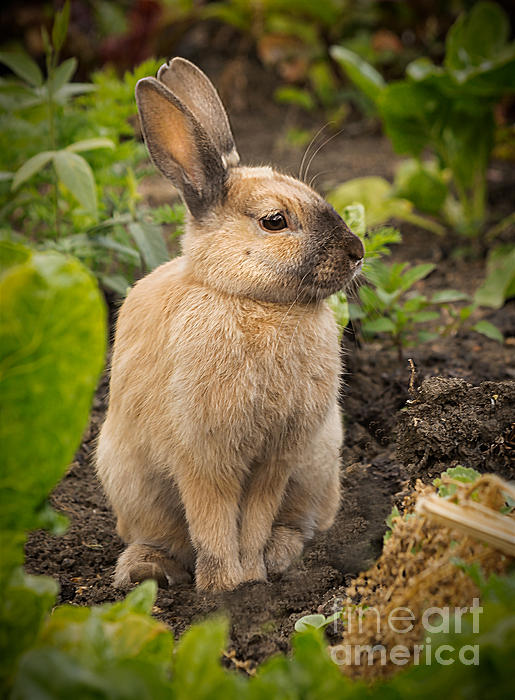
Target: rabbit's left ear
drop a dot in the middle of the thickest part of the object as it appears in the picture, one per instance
(180, 147)
(197, 92)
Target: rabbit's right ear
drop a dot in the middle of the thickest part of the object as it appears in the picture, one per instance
(197, 92)
(180, 146)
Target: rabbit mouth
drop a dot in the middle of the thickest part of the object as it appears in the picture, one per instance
(329, 276)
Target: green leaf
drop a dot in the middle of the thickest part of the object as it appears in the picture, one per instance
(90, 145)
(379, 325)
(370, 299)
(424, 316)
(49, 519)
(116, 283)
(426, 336)
(23, 65)
(377, 196)
(499, 283)
(466, 475)
(446, 296)
(63, 73)
(289, 94)
(307, 621)
(362, 74)
(140, 600)
(340, 308)
(31, 167)
(197, 672)
(488, 329)
(408, 110)
(421, 184)
(75, 173)
(476, 37)
(109, 243)
(414, 274)
(149, 239)
(354, 217)
(24, 604)
(112, 632)
(60, 27)
(52, 342)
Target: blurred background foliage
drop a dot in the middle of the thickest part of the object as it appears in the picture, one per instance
(437, 77)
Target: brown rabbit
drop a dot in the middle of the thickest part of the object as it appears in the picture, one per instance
(220, 450)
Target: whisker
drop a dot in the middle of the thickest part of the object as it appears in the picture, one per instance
(318, 175)
(319, 149)
(309, 146)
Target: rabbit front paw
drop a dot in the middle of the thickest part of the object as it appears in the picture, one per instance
(253, 568)
(140, 562)
(214, 574)
(284, 546)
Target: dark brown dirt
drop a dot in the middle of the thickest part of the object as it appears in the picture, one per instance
(451, 422)
(376, 389)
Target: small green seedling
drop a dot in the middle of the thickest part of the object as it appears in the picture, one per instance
(392, 306)
(465, 475)
(316, 621)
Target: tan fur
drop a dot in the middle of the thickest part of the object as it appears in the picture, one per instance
(220, 450)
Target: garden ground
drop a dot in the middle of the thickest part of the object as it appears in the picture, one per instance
(375, 393)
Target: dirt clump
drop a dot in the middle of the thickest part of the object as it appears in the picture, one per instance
(452, 422)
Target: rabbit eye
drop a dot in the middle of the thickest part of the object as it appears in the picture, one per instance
(273, 222)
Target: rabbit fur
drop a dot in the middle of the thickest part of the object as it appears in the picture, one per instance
(220, 449)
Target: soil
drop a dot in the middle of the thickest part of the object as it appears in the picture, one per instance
(463, 413)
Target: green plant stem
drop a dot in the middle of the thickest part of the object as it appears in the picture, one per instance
(51, 59)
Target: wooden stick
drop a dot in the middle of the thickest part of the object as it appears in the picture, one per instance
(494, 528)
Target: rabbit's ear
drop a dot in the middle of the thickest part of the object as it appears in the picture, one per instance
(196, 91)
(180, 146)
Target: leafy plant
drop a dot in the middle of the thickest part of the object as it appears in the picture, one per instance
(376, 243)
(72, 171)
(393, 307)
(381, 201)
(52, 343)
(465, 475)
(94, 210)
(449, 108)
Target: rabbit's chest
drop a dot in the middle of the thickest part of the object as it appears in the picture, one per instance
(267, 390)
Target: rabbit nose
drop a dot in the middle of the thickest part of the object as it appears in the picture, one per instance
(355, 249)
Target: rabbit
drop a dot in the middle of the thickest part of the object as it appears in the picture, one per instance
(220, 452)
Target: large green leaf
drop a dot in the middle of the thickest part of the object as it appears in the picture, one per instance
(149, 239)
(23, 65)
(63, 73)
(24, 604)
(499, 284)
(76, 174)
(362, 74)
(90, 145)
(476, 37)
(52, 344)
(409, 111)
(378, 198)
(31, 167)
(421, 183)
(197, 671)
